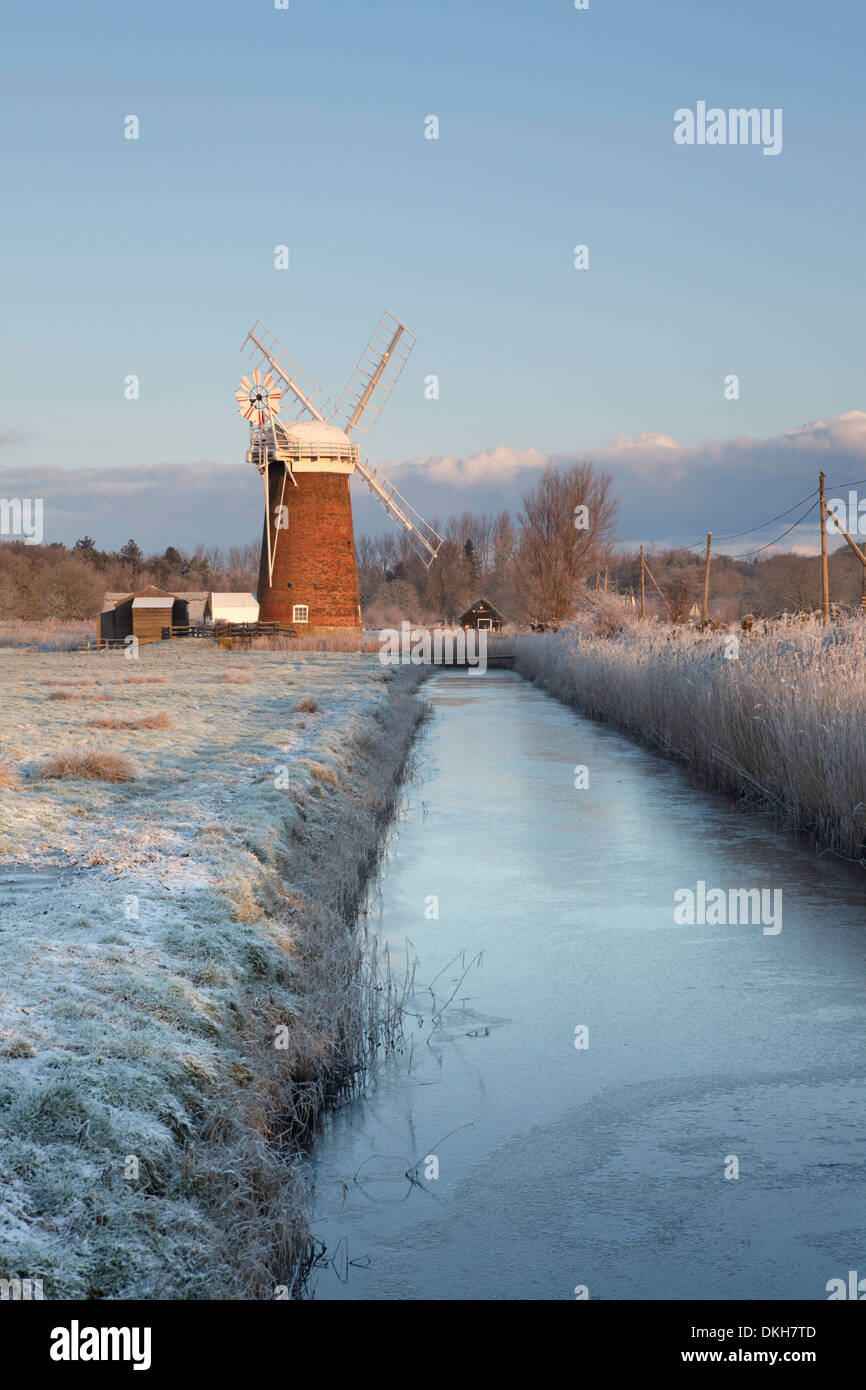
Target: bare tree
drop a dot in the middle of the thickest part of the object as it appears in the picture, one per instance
(567, 528)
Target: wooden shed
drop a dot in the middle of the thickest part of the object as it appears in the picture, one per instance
(142, 614)
(482, 616)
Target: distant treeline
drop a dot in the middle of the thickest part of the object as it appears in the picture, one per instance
(59, 581)
(767, 586)
(393, 583)
(532, 567)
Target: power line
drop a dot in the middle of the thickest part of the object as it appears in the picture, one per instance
(737, 534)
(787, 532)
(858, 482)
(831, 487)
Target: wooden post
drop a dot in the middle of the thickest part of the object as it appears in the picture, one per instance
(658, 590)
(706, 582)
(642, 593)
(825, 582)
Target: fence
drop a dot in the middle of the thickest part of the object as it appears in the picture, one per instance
(217, 630)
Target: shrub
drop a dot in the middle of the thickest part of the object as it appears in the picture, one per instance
(306, 706)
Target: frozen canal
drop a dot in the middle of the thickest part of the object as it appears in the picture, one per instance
(709, 1047)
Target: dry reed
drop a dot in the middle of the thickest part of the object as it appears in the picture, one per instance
(141, 680)
(160, 720)
(70, 680)
(75, 695)
(323, 774)
(51, 634)
(90, 764)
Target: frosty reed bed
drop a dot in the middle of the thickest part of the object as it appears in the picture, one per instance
(50, 634)
(774, 715)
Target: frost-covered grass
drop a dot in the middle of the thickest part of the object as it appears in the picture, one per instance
(775, 715)
(175, 1011)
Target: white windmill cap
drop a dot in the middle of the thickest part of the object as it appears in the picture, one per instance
(316, 446)
(317, 432)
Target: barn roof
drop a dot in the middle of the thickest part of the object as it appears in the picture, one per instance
(234, 600)
(111, 600)
(482, 605)
(149, 591)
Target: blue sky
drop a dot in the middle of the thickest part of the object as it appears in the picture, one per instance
(305, 127)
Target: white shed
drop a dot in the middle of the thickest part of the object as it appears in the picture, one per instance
(231, 608)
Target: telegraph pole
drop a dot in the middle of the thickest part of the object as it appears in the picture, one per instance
(642, 593)
(825, 581)
(706, 582)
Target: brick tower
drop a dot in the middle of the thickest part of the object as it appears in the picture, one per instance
(307, 575)
(308, 578)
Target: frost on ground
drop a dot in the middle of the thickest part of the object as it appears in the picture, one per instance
(181, 977)
(774, 715)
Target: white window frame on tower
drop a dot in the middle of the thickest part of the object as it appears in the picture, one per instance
(299, 608)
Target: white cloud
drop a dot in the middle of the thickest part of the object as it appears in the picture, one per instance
(650, 454)
(490, 466)
(668, 491)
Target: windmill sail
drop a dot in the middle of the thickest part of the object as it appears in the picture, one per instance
(423, 539)
(369, 388)
(263, 350)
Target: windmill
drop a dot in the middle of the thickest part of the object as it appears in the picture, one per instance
(307, 573)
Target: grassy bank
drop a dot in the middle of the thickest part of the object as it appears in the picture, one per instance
(773, 715)
(184, 983)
